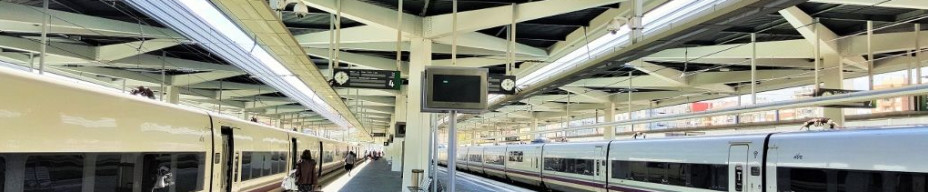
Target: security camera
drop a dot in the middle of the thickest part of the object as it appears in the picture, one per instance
(615, 24)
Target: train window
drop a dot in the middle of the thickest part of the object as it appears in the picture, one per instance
(155, 167)
(806, 179)
(267, 163)
(639, 171)
(257, 165)
(676, 174)
(859, 181)
(554, 164)
(657, 172)
(275, 159)
(515, 156)
(189, 173)
(246, 165)
(801, 179)
(112, 174)
(567, 165)
(53, 173)
(714, 177)
(620, 170)
(281, 162)
(494, 159)
(2, 172)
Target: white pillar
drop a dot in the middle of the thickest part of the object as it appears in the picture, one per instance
(417, 123)
(534, 127)
(609, 131)
(399, 115)
(172, 94)
(832, 78)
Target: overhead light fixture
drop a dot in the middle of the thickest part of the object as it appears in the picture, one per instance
(200, 21)
(654, 20)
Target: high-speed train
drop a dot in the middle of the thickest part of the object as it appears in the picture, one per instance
(57, 137)
(890, 159)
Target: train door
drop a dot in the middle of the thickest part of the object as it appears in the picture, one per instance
(599, 166)
(737, 168)
(320, 161)
(226, 159)
(294, 153)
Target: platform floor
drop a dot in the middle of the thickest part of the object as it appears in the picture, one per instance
(375, 176)
(372, 176)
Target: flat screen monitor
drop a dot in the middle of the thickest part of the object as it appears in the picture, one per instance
(454, 89)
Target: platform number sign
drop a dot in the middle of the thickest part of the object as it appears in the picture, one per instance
(739, 178)
(361, 78)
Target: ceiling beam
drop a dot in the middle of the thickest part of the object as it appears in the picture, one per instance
(370, 14)
(475, 20)
(807, 26)
(356, 59)
(588, 93)
(119, 51)
(667, 74)
(908, 4)
(19, 18)
(359, 34)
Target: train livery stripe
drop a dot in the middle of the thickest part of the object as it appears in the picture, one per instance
(520, 172)
(626, 189)
(574, 181)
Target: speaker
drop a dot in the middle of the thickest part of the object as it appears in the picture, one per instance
(400, 129)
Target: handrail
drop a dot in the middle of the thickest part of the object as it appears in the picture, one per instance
(812, 102)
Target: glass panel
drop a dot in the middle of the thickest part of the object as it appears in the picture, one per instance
(676, 174)
(154, 168)
(54, 173)
(639, 171)
(800, 180)
(246, 165)
(257, 164)
(112, 174)
(267, 163)
(189, 172)
(554, 164)
(657, 172)
(621, 170)
(2, 172)
(859, 181)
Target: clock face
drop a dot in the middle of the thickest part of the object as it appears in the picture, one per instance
(341, 77)
(507, 84)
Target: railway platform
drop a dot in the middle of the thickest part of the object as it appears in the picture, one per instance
(376, 176)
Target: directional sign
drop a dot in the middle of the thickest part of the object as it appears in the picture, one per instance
(829, 92)
(501, 84)
(373, 79)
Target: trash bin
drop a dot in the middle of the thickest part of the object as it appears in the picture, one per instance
(416, 177)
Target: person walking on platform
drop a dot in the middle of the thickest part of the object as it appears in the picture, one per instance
(350, 159)
(306, 172)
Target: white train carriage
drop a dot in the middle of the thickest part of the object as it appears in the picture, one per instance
(494, 161)
(574, 166)
(461, 161)
(854, 160)
(442, 155)
(523, 163)
(475, 159)
(105, 141)
(686, 164)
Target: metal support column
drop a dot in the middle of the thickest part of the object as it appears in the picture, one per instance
(452, 147)
(42, 48)
(870, 54)
(754, 68)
